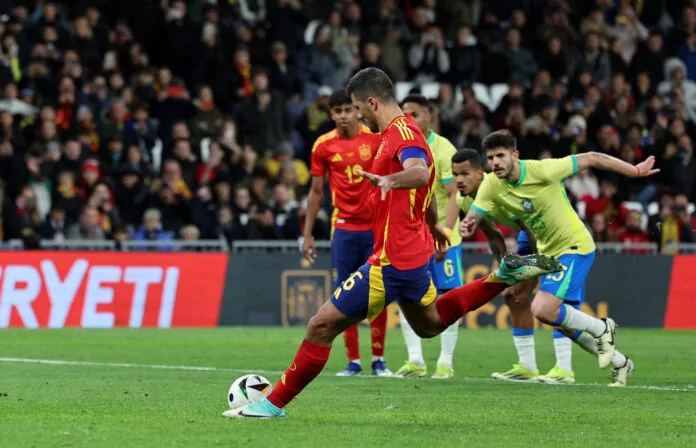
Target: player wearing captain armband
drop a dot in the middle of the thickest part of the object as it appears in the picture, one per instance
(447, 273)
(532, 191)
(406, 234)
(340, 154)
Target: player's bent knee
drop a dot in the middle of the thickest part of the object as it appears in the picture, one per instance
(426, 331)
(320, 330)
(544, 311)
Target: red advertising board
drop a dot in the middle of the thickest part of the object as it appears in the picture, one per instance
(681, 301)
(106, 289)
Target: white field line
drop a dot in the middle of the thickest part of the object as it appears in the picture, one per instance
(57, 362)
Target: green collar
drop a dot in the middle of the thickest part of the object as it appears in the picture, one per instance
(431, 137)
(523, 174)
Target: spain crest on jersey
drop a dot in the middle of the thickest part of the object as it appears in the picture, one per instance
(365, 152)
(527, 205)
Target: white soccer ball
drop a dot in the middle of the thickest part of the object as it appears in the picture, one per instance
(248, 389)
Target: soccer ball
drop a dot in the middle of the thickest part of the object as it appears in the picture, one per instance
(248, 389)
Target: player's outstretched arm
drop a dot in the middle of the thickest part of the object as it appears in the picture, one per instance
(496, 241)
(316, 195)
(608, 163)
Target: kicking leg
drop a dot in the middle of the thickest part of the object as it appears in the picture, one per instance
(309, 361)
(517, 298)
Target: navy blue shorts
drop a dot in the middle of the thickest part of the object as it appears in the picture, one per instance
(523, 247)
(367, 291)
(349, 251)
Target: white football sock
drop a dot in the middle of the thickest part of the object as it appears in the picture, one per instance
(587, 343)
(356, 361)
(448, 342)
(377, 358)
(563, 347)
(413, 342)
(571, 319)
(526, 351)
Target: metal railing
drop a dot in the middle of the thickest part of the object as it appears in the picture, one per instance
(126, 246)
(292, 246)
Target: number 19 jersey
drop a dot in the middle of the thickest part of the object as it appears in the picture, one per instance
(342, 158)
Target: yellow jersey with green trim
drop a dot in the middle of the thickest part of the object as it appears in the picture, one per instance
(497, 214)
(442, 151)
(538, 199)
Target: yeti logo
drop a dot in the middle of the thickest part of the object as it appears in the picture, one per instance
(527, 205)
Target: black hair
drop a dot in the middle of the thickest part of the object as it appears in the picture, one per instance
(339, 98)
(468, 155)
(417, 98)
(373, 82)
(502, 138)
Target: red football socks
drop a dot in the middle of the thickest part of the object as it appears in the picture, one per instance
(308, 363)
(379, 333)
(455, 303)
(350, 337)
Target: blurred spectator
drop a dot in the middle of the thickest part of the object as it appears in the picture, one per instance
(54, 226)
(283, 156)
(465, 58)
(266, 121)
(628, 32)
(189, 233)
(151, 229)
(521, 62)
(96, 109)
(131, 195)
(88, 227)
(428, 58)
(606, 203)
(583, 186)
(600, 230)
(595, 60)
(672, 224)
(633, 232)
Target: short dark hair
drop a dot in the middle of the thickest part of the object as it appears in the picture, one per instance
(339, 98)
(417, 98)
(371, 81)
(468, 155)
(502, 138)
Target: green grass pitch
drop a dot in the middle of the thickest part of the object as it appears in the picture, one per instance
(95, 405)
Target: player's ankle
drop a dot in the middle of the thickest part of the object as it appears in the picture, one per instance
(355, 361)
(377, 358)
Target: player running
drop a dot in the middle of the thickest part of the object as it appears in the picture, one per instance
(468, 175)
(532, 190)
(397, 270)
(447, 273)
(343, 152)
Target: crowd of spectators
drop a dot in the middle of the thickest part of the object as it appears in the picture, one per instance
(173, 119)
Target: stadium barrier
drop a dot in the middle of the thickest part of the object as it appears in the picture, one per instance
(54, 289)
(633, 289)
(268, 283)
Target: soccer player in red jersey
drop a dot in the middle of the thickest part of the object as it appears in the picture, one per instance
(404, 222)
(343, 152)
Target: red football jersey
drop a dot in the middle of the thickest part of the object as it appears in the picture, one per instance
(402, 237)
(342, 158)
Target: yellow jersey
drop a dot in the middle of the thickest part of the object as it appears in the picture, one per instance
(538, 198)
(497, 214)
(442, 151)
